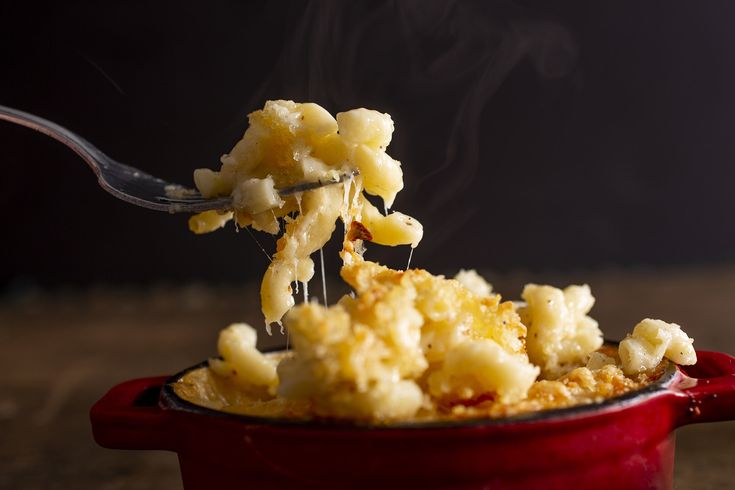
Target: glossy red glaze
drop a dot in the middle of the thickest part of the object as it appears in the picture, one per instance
(627, 444)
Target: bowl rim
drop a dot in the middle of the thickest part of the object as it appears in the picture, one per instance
(169, 399)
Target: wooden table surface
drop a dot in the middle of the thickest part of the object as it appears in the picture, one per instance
(60, 352)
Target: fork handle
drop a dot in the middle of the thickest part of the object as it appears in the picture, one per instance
(86, 150)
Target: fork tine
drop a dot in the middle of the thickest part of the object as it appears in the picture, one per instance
(306, 186)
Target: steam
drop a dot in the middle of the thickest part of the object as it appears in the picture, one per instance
(481, 57)
(433, 65)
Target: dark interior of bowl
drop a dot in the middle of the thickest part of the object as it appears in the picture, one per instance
(171, 400)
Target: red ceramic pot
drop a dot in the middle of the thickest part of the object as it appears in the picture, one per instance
(623, 443)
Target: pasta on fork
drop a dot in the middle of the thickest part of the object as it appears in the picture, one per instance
(287, 143)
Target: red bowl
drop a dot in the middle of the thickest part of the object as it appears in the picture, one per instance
(625, 442)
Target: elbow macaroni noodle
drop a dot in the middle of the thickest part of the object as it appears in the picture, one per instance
(650, 342)
(560, 334)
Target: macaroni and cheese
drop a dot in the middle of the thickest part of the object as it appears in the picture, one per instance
(405, 345)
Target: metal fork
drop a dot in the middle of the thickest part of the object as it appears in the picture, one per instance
(133, 185)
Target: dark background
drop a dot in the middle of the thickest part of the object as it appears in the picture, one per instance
(534, 135)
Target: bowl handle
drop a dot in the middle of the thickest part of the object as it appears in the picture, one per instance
(128, 416)
(709, 391)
